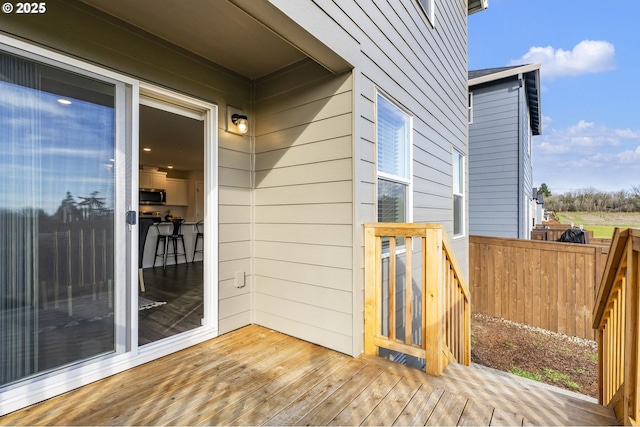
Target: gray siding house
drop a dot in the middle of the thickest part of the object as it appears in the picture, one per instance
(504, 113)
(322, 86)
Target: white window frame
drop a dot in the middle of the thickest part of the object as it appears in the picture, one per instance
(428, 7)
(470, 108)
(407, 180)
(455, 155)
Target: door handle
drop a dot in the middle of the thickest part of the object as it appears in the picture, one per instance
(131, 217)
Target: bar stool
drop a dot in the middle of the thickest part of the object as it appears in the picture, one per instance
(143, 230)
(170, 232)
(199, 235)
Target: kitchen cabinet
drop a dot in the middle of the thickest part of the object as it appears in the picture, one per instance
(152, 179)
(177, 192)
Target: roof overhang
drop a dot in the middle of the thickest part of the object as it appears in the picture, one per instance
(250, 37)
(530, 75)
(506, 73)
(474, 6)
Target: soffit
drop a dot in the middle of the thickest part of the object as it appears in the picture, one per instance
(216, 30)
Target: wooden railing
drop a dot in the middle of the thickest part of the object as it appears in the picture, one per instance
(616, 318)
(416, 300)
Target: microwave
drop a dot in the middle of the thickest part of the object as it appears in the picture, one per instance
(152, 196)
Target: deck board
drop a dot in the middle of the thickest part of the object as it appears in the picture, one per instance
(475, 414)
(255, 376)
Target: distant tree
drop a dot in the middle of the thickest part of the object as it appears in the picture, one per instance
(592, 200)
(543, 189)
(68, 209)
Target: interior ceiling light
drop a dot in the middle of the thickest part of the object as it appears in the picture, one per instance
(241, 123)
(64, 101)
(146, 149)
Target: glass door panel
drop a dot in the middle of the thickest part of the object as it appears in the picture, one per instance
(170, 259)
(57, 150)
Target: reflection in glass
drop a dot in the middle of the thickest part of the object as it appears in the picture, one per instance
(56, 218)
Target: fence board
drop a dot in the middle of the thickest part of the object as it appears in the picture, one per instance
(549, 285)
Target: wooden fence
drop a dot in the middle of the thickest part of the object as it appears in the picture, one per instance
(549, 285)
(616, 317)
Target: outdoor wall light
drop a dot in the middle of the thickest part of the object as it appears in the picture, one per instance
(237, 121)
(240, 121)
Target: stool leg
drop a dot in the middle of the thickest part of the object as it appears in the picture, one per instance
(164, 255)
(195, 248)
(174, 242)
(184, 252)
(156, 253)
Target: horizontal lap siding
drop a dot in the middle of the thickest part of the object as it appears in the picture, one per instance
(423, 68)
(494, 202)
(303, 205)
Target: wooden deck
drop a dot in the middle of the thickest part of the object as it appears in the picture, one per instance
(255, 376)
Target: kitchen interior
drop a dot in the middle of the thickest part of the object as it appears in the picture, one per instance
(171, 213)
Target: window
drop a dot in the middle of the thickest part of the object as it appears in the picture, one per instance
(458, 194)
(394, 161)
(427, 6)
(470, 108)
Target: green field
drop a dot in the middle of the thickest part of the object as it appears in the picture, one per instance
(601, 223)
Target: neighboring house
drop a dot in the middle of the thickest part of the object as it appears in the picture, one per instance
(504, 113)
(356, 112)
(537, 208)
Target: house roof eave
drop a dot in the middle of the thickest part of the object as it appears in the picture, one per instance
(504, 73)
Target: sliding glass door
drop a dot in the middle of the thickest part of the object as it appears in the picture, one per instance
(57, 202)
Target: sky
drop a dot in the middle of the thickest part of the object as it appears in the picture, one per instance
(50, 148)
(590, 90)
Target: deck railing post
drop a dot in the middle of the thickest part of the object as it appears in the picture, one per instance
(433, 302)
(631, 335)
(372, 278)
(445, 311)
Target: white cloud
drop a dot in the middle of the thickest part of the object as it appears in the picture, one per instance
(588, 56)
(580, 137)
(628, 133)
(629, 156)
(587, 154)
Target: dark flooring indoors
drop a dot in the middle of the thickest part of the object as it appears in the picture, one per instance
(178, 293)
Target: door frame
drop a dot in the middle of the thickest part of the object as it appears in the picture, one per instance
(176, 102)
(127, 354)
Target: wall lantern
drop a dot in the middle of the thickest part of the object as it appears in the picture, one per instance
(241, 123)
(237, 121)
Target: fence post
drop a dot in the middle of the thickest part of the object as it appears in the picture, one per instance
(433, 307)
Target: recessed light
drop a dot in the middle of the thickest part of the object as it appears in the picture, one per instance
(169, 167)
(64, 101)
(146, 149)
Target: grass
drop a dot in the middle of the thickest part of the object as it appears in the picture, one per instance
(550, 374)
(601, 223)
(525, 374)
(559, 377)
